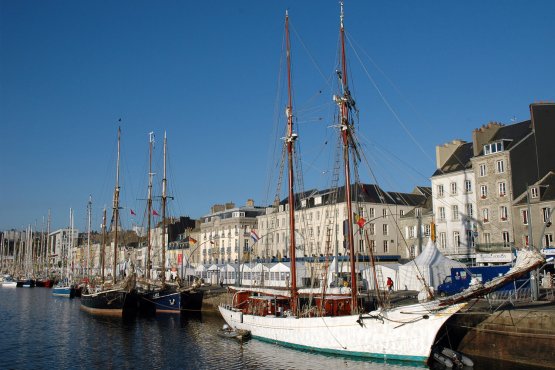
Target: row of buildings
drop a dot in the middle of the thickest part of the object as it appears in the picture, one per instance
(487, 197)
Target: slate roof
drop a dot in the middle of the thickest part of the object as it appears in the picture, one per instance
(515, 133)
(366, 193)
(547, 190)
(458, 161)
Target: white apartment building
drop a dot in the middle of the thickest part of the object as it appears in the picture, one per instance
(60, 242)
(454, 200)
(225, 233)
(320, 220)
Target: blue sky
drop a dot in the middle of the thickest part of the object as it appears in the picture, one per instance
(422, 73)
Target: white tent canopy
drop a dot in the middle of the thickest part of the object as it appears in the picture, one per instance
(431, 265)
(390, 270)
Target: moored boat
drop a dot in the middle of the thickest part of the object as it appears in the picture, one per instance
(338, 324)
(114, 298)
(9, 282)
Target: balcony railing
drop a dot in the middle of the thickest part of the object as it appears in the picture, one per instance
(494, 247)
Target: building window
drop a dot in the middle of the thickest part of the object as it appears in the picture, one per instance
(467, 186)
(493, 148)
(384, 212)
(502, 189)
(456, 239)
(500, 166)
(503, 213)
(483, 191)
(442, 240)
(371, 229)
(386, 246)
(524, 213)
(373, 246)
(548, 240)
(483, 170)
(453, 188)
(485, 214)
(361, 245)
(534, 192)
(487, 238)
(371, 213)
(455, 210)
(410, 232)
(427, 230)
(546, 215)
(506, 240)
(469, 210)
(525, 240)
(440, 191)
(401, 213)
(441, 211)
(385, 229)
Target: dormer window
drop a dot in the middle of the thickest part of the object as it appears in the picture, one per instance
(493, 147)
(317, 201)
(534, 192)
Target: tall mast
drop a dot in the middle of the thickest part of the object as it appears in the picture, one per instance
(290, 139)
(103, 252)
(164, 200)
(346, 128)
(116, 212)
(48, 251)
(149, 203)
(89, 211)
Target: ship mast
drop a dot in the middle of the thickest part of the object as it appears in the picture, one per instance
(164, 200)
(290, 140)
(116, 212)
(344, 102)
(103, 253)
(89, 211)
(149, 204)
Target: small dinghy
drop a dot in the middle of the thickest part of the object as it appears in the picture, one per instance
(239, 334)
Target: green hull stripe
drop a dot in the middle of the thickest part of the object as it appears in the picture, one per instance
(416, 360)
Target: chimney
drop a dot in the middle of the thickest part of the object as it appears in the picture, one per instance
(229, 205)
(250, 203)
(445, 151)
(217, 208)
(483, 135)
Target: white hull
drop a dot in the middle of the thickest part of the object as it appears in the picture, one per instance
(9, 284)
(404, 333)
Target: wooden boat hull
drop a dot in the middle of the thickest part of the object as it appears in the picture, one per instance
(110, 303)
(167, 300)
(405, 333)
(26, 283)
(191, 300)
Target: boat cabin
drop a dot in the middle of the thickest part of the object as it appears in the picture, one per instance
(334, 305)
(261, 305)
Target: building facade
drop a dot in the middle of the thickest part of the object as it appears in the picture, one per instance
(225, 233)
(320, 224)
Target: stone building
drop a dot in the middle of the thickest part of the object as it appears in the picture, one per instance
(320, 224)
(225, 233)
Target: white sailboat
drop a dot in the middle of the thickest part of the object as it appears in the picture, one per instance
(338, 324)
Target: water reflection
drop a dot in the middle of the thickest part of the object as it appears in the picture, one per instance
(42, 331)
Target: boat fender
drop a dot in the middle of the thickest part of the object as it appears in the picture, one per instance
(466, 361)
(443, 360)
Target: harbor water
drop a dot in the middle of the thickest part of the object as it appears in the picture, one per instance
(39, 331)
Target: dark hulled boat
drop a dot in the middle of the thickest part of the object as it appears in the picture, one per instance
(110, 302)
(116, 298)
